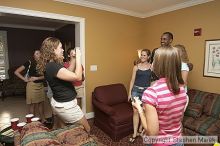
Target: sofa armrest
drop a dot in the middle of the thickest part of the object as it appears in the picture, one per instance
(103, 107)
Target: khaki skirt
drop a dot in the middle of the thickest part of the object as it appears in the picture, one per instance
(80, 91)
(35, 92)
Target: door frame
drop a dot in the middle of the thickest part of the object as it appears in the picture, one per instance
(79, 30)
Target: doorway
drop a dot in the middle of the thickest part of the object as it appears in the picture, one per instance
(77, 21)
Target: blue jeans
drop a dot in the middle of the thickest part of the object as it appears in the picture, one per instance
(137, 91)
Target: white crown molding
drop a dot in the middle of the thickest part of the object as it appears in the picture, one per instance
(132, 13)
(26, 27)
(176, 7)
(102, 7)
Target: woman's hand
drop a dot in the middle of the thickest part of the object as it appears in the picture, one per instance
(137, 104)
(32, 79)
(78, 52)
(26, 80)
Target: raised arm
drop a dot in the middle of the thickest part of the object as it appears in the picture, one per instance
(67, 75)
(185, 76)
(149, 118)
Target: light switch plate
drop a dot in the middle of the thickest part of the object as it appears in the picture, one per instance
(93, 67)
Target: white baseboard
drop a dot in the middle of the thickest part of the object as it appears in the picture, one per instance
(90, 115)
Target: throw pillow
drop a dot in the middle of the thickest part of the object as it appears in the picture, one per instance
(211, 107)
(193, 110)
(35, 133)
(74, 135)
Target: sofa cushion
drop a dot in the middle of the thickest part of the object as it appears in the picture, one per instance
(197, 96)
(214, 129)
(111, 94)
(200, 125)
(212, 108)
(74, 135)
(119, 117)
(205, 125)
(193, 110)
(37, 134)
(189, 122)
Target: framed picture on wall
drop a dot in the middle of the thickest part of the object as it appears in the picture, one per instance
(212, 58)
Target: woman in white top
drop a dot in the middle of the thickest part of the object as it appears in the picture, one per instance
(184, 66)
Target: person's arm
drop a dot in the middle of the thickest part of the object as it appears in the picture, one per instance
(18, 73)
(152, 120)
(185, 76)
(65, 74)
(149, 118)
(72, 63)
(132, 81)
(36, 78)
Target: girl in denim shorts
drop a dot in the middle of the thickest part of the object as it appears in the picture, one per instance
(140, 80)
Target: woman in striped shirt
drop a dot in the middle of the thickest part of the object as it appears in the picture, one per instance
(164, 102)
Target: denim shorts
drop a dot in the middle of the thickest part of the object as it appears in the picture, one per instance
(137, 91)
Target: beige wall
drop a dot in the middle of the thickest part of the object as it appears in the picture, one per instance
(111, 40)
(182, 23)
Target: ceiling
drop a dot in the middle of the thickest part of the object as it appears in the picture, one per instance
(137, 8)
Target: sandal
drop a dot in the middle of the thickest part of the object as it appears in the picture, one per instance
(132, 139)
(142, 133)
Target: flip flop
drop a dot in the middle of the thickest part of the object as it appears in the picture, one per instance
(132, 139)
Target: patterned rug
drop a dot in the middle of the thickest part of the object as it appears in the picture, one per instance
(105, 139)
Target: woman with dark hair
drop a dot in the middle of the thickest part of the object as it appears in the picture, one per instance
(140, 80)
(63, 102)
(35, 94)
(77, 84)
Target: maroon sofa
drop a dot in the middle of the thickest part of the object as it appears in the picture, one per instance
(113, 112)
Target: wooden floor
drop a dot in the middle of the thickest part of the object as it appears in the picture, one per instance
(16, 107)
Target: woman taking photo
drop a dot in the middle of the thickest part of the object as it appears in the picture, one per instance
(63, 102)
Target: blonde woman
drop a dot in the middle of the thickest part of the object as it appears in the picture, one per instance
(184, 66)
(63, 102)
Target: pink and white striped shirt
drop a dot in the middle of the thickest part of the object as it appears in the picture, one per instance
(170, 107)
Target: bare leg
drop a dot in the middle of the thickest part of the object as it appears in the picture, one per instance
(85, 124)
(135, 121)
(31, 108)
(58, 123)
(41, 111)
(135, 125)
(141, 130)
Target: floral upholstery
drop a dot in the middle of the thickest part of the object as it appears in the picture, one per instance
(202, 116)
(36, 134)
(74, 135)
(194, 110)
